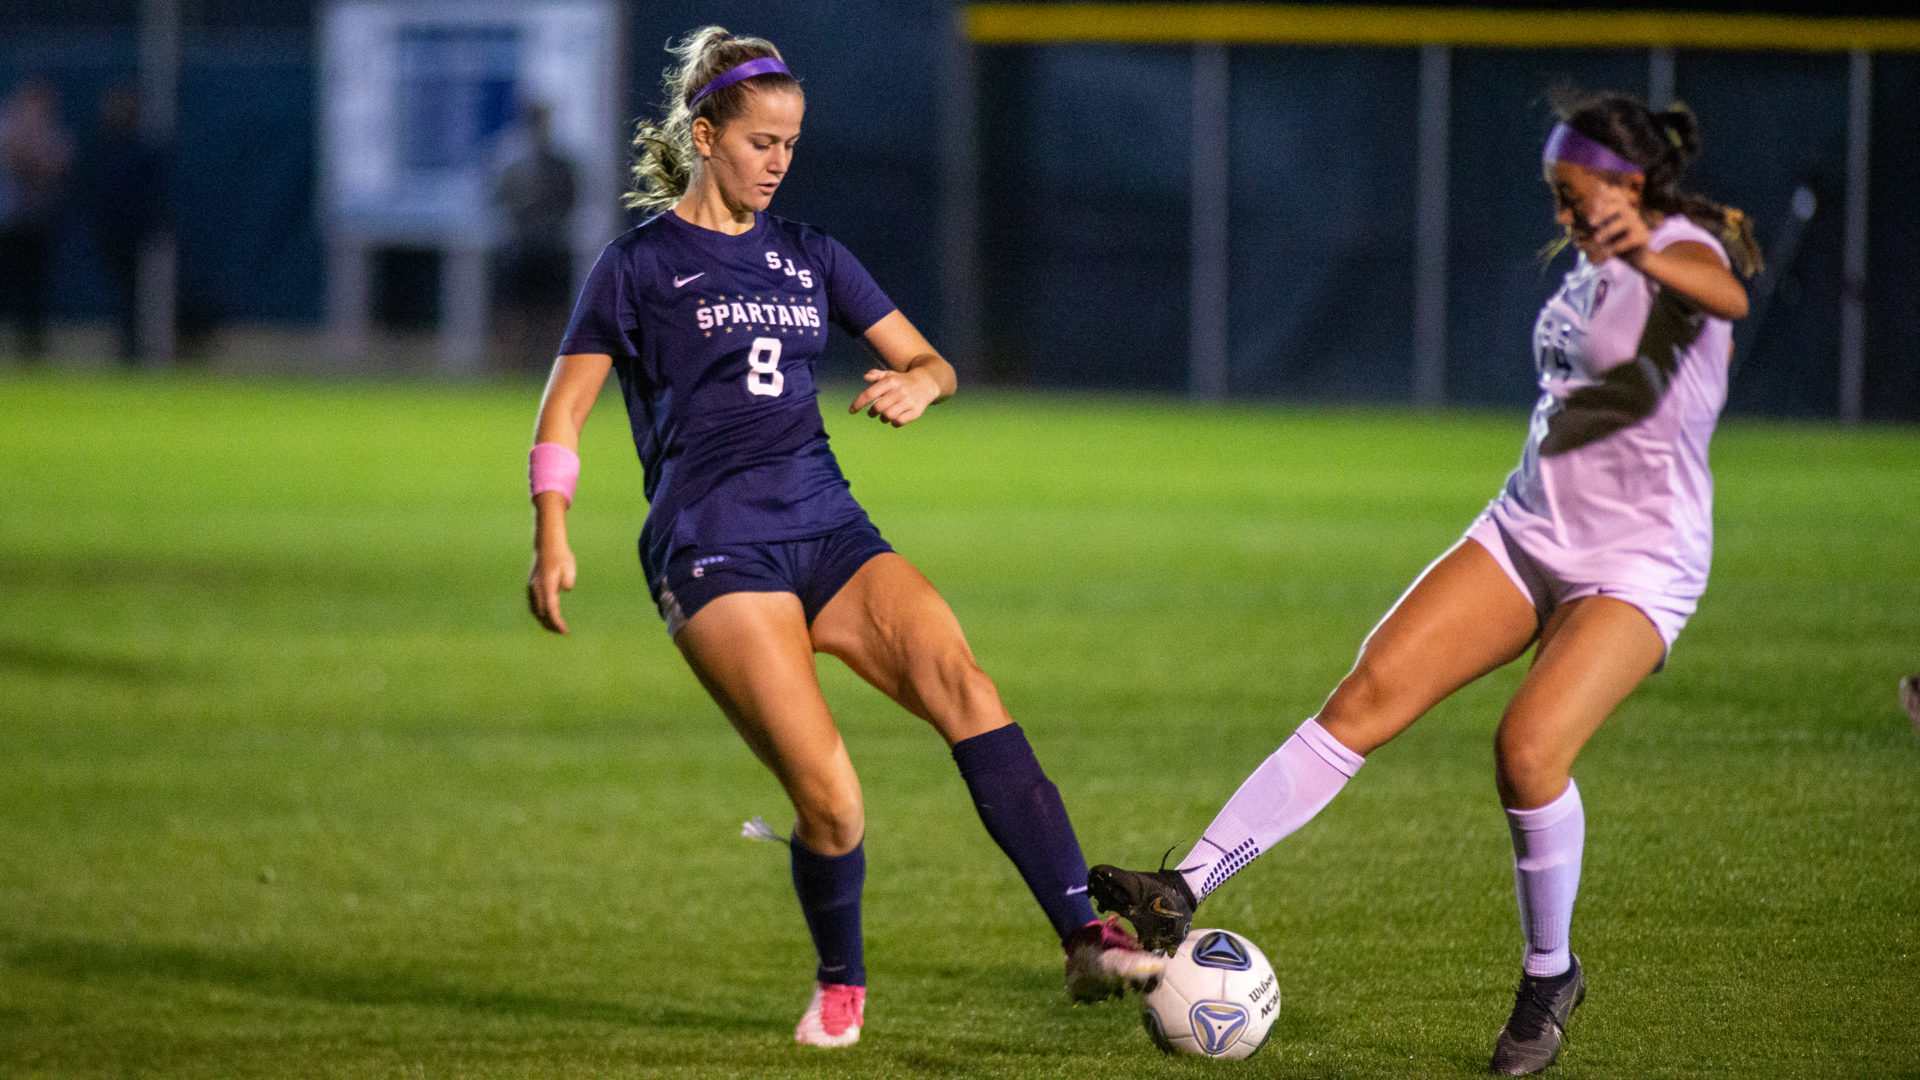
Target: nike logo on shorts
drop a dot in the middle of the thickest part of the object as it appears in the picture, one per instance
(679, 281)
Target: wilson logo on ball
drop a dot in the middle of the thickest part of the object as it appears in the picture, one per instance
(1218, 950)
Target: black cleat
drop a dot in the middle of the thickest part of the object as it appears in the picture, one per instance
(1157, 903)
(1541, 1008)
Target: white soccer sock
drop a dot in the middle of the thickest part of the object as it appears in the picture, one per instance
(1284, 793)
(1547, 842)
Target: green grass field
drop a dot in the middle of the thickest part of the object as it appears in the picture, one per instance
(290, 783)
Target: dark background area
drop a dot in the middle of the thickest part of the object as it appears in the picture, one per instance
(1084, 192)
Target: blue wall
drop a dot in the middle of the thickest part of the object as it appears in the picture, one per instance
(1084, 234)
(242, 169)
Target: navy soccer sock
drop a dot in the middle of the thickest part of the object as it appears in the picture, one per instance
(829, 890)
(1023, 813)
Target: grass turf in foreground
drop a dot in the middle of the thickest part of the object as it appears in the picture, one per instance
(292, 784)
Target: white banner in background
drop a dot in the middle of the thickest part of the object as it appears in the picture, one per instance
(419, 97)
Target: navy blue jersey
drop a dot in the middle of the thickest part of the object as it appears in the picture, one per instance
(714, 338)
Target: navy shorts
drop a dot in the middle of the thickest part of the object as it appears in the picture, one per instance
(813, 569)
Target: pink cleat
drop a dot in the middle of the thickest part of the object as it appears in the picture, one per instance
(834, 1016)
(1104, 960)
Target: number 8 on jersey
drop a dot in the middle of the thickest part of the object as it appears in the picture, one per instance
(765, 380)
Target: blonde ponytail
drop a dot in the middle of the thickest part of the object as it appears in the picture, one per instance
(664, 158)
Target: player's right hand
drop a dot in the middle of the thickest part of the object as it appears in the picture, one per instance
(1617, 229)
(896, 397)
(553, 573)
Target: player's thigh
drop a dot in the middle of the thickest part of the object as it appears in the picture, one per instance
(894, 629)
(1462, 618)
(752, 652)
(1593, 652)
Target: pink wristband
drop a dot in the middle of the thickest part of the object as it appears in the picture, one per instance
(552, 467)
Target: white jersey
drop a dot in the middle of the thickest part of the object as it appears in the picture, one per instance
(1613, 488)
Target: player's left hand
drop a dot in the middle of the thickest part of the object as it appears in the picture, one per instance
(1618, 229)
(896, 397)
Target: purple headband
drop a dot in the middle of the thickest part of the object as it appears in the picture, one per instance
(766, 65)
(1568, 145)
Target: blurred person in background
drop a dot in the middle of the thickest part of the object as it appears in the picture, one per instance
(126, 206)
(36, 155)
(533, 271)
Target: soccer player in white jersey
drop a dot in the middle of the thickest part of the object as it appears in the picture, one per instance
(1594, 554)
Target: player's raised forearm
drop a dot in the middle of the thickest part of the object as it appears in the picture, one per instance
(1695, 273)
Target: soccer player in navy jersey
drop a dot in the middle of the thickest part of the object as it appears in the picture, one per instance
(712, 314)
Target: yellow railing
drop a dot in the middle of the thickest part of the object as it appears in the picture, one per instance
(1289, 24)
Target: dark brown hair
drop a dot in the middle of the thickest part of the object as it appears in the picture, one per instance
(664, 156)
(1664, 145)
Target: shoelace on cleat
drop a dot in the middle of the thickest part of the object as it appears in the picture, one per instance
(1532, 1009)
(1163, 859)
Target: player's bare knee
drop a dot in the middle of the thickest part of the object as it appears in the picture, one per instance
(1368, 703)
(955, 691)
(978, 694)
(1526, 767)
(830, 825)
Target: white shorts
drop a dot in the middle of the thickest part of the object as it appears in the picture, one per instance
(1547, 591)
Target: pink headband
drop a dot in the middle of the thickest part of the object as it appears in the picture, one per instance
(766, 65)
(1568, 145)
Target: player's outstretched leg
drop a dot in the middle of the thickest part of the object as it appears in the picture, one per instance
(1024, 814)
(892, 627)
(1541, 1008)
(1459, 620)
(1284, 793)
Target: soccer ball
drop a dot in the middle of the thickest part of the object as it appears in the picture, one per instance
(1217, 998)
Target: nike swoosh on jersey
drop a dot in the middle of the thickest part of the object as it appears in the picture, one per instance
(679, 281)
